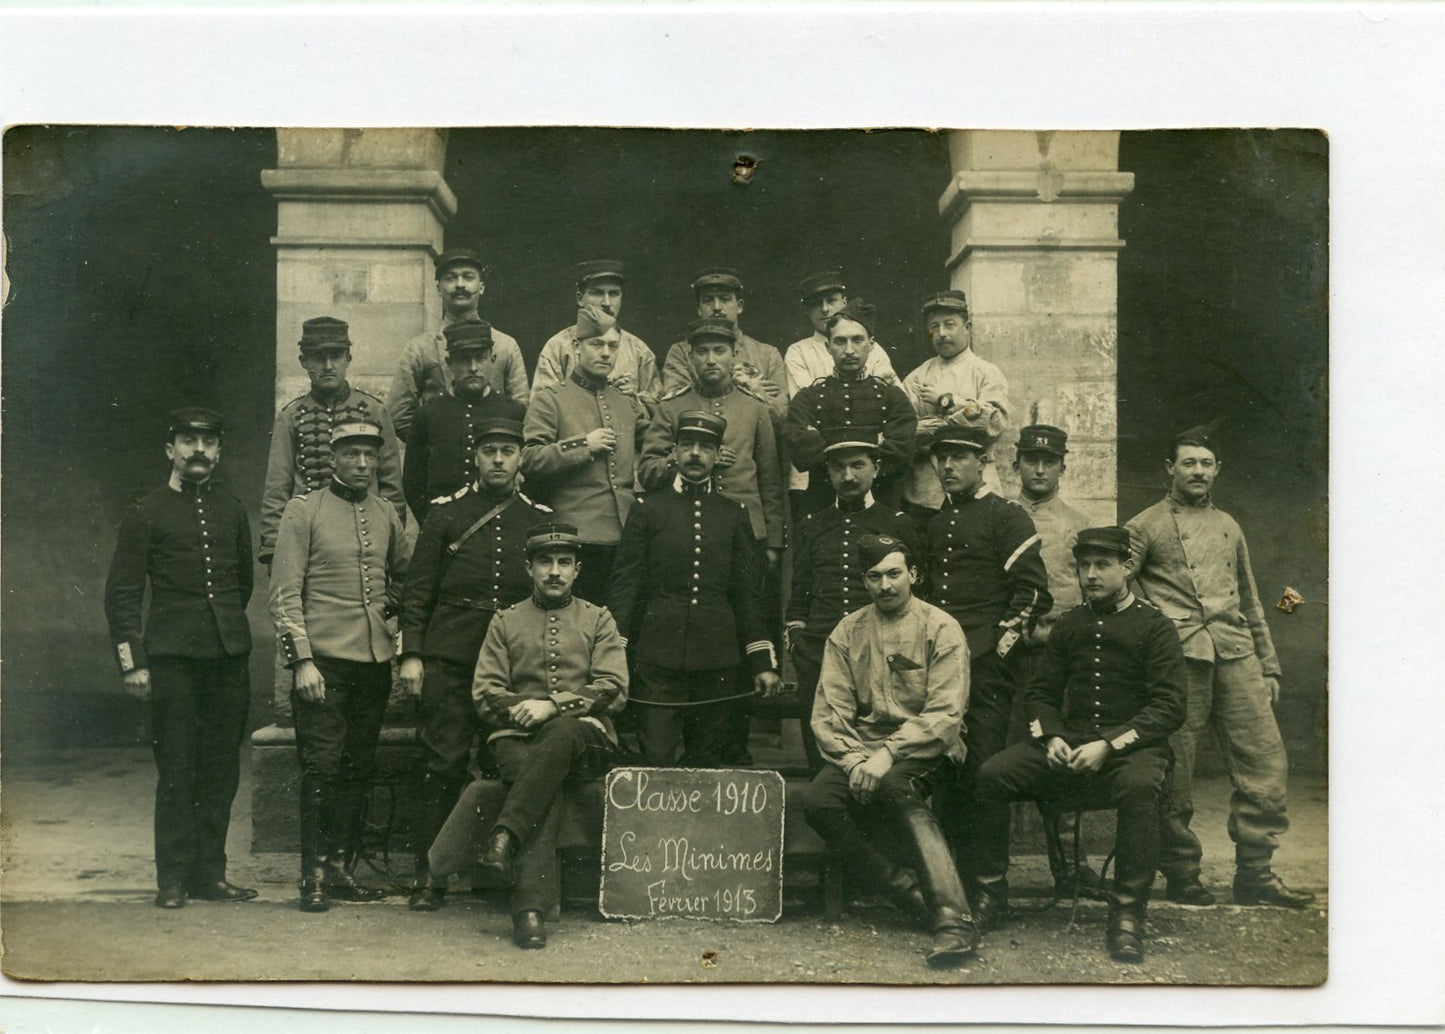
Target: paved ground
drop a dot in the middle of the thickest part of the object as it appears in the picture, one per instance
(77, 884)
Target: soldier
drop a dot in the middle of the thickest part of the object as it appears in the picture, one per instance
(341, 554)
(300, 459)
(189, 657)
(551, 671)
(748, 470)
(685, 590)
(423, 371)
(827, 581)
(1192, 563)
(891, 695)
(440, 454)
(986, 572)
(955, 387)
(1039, 463)
(1100, 713)
(464, 569)
(850, 397)
(822, 294)
(634, 370)
(759, 368)
(583, 435)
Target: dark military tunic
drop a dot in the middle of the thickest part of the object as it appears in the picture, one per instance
(440, 458)
(985, 568)
(449, 598)
(864, 403)
(1114, 673)
(827, 579)
(300, 459)
(195, 547)
(685, 586)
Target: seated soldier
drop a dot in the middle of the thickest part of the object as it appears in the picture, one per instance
(1100, 715)
(551, 670)
(888, 719)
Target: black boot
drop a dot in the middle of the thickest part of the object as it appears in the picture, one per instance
(1136, 853)
(499, 856)
(1126, 936)
(529, 930)
(438, 796)
(1071, 875)
(955, 937)
(314, 846)
(988, 900)
(1263, 887)
(348, 813)
(861, 861)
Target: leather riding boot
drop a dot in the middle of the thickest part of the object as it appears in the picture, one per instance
(529, 930)
(314, 846)
(347, 814)
(955, 937)
(498, 858)
(1136, 853)
(988, 901)
(438, 796)
(862, 861)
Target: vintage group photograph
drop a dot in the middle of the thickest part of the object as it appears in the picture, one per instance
(557, 555)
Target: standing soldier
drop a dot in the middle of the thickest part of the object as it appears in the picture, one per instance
(748, 470)
(341, 554)
(423, 370)
(189, 657)
(806, 360)
(892, 693)
(850, 397)
(300, 459)
(634, 369)
(551, 671)
(685, 590)
(1039, 463)
(583, 435)
(986, 572)
(827, 580)
(759, 368)
(1192, 563)
(955, 387)
(464, 569)
(440, 453)
(1100, 713)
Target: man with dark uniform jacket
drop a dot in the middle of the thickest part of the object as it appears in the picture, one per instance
(463, 570)
(1100, 713)
(300, 459)
(341, 555)
(849, 397)
(892, 693)
(551, 671)
(827, 581)
(685, 592)
(189, 656)
(985, 570)
(440, 457)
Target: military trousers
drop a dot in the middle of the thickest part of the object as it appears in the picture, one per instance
(535, 770)
(979, 829)
(336, 736)
(198, 710)
(840, 818)
(1231, 697)
(449, 721)
(807, 654)
(690, 709)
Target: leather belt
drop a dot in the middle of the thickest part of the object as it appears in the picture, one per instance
(467, 601)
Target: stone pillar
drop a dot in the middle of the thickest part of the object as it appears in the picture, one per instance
(1035, 247)
(359, 220)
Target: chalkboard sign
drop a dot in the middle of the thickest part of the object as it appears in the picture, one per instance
(697, 843)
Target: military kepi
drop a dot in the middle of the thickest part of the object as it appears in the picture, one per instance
(468, 336)
(700, 421)
(873, 548)
(1043, 438)
(499, 427)
(965, 437)
(1112, 539)
(841, 439)
(709, 328)
(195, 419)
(324, 332)
(360, 430)
(600, 269)
(552, 535)
(459, 257)
(949, 301)
(826, 282)
(722, 277)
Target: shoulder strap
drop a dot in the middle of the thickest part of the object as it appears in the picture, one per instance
(481, 523)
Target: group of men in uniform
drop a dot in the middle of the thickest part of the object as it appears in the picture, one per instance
(643, 567)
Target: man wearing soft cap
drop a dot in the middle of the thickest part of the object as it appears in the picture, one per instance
(891, 698)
